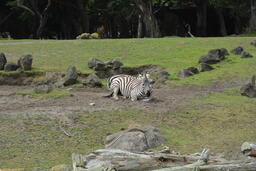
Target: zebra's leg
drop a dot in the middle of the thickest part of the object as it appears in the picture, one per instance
(116, 90)
(133, 96)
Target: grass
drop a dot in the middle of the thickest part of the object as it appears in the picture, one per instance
(56, 93)
(172, 53)
(221, 122)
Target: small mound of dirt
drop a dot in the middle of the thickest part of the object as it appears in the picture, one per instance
(21, 78)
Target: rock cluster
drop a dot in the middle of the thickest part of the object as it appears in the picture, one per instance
(23, 64)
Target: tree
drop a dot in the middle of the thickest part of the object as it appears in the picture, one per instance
(253, 15)
(33, 7)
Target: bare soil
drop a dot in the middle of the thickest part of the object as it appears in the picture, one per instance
(165, 99)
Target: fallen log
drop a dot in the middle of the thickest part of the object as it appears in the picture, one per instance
(114, 159)
(249, 149)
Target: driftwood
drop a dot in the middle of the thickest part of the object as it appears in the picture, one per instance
(120, 160)
(249, 149)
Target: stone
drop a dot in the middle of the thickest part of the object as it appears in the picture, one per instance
(253, 43)
(219, 53)
(237, 51)
(249, 89)
(188, 72)
(3, 61)
(96, 65)
(246, 55)
(10, 67)
(25, 62)
(209, 59)
(135, 139)
(43, 89)
(162, 76)
(205, 67)
(92, 81)
(114, 64)
(71, 76)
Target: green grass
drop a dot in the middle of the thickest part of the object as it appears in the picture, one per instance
(172, 53)
(221, 122)
(56, 93)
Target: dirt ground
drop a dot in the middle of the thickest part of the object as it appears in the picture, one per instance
(165, 99)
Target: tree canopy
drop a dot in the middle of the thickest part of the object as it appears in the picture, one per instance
(64, 19)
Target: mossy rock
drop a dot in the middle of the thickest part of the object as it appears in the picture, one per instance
(95, 36)
(84, 36)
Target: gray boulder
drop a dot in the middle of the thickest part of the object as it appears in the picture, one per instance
(219, 53)
(249, 89)
(71, 76)
(238, 50)
(114, 64)
(92, 81)
(205, 67)
(209, 59)
(43, 89)
(10, 67)
(135, 139)
(162, 76)
(246, 55)
(3, 61)
(96, 65)
(25, 62)
(188, 72)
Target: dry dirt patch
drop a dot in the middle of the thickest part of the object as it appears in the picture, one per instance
(165, 99)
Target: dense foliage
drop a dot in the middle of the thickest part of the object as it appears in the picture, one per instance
(64, 19)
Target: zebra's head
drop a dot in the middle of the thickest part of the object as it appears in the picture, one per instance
(145, 86)
(140, 76)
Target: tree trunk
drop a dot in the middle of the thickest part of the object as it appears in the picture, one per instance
(150, 21)
(84, 18)
(223, 30)
(201, 17)
(253, 15)
(140, 24)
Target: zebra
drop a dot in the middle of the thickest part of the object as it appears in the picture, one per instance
(130, 87)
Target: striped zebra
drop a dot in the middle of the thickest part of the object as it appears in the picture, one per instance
(130, 87)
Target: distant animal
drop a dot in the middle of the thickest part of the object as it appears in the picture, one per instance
(129, 86)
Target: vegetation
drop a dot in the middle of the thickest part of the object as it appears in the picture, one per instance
(174, 54)
(220, 121)
(56, 93)
(119, 19)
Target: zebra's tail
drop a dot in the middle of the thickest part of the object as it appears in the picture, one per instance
(108, 96)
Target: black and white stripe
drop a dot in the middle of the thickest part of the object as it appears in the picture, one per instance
(130, 86)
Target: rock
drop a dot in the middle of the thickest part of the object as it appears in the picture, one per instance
(135, 139)
(43, 89)
(3, 61)
(219, 53)
(96, 65)
(237, 51)
(83, 36)
(187, 72)
(205, 67)
(10, 67)
(114, 64)
(25, 62)
(92, 104)
(209, 59)
(92, 81)
(162, 76)
(246, 55)
(71, 76)
(54, 78)
(253, 43)
(249, 89)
